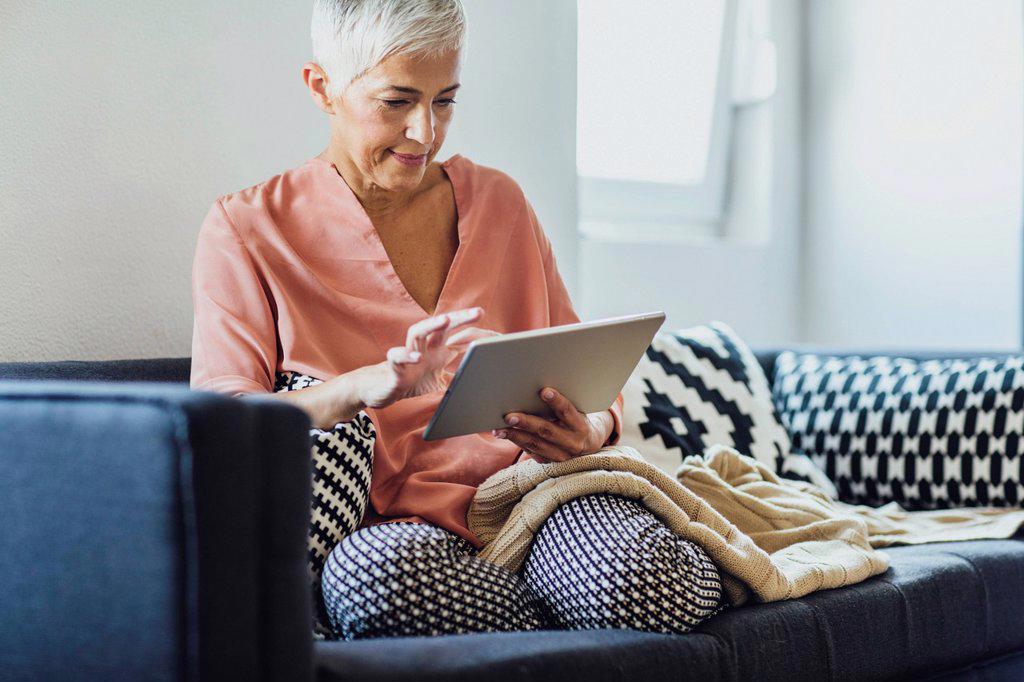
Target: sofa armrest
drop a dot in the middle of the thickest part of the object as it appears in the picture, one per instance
(152, 532)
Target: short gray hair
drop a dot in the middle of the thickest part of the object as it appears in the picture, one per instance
(350, 37)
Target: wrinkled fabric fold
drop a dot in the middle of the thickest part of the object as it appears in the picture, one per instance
(771, 538)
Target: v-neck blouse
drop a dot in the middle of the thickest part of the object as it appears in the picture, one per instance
(291, 275)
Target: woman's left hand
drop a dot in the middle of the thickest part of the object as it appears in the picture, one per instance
(571, 434)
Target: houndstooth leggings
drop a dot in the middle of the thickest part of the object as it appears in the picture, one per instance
(598, 561)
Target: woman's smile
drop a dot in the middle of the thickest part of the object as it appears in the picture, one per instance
(408, 159)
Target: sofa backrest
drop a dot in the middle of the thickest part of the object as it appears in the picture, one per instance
(145, 369)
(177, 369)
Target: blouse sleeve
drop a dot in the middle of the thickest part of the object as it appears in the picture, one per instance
(562, 312)
(234, 335)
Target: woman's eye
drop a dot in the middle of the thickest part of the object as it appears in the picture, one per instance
(395, 103)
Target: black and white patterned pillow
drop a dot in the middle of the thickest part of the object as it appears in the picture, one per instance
(342, 468)
(700, 386)
(927, 434)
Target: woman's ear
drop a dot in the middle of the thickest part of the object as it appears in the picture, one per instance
(317, 82)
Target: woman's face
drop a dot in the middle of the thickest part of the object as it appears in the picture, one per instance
(402, 106)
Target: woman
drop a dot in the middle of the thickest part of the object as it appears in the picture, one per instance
(372, 249)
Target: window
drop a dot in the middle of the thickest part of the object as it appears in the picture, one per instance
(657, 84)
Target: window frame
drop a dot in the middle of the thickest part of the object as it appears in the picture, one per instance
(606, 205)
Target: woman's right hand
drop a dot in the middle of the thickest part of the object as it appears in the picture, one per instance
(418, 367)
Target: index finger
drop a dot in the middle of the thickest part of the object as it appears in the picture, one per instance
(445, 320)
(464, 315)
(424, 327)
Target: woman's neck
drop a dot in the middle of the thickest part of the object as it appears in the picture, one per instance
(377, 201)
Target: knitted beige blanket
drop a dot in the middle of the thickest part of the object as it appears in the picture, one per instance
(771, 538)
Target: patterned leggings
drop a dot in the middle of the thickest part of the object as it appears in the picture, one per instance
(598, 561)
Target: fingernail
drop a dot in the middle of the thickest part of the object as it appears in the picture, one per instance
(548, 395)
(513, 420)
(501, 434)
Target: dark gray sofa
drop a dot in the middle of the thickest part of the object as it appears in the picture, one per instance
(152, 532)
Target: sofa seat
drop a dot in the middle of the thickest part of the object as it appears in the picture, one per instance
(939, 606)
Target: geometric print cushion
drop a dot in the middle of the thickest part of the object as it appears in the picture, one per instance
(700, 386)
(342, 467)
(928, 434)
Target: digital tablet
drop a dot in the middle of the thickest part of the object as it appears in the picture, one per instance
(588, 362)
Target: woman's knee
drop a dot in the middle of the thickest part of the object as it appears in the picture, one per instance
(605, 561)
(405, 578)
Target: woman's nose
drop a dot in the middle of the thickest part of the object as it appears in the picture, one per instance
(421, 128)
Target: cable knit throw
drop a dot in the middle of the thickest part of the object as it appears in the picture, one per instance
(771, 538)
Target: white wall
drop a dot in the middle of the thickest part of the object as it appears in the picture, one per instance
(750, 278)
(913, 173)
(121, 122)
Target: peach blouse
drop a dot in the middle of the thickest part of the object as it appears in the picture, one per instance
(291, 275)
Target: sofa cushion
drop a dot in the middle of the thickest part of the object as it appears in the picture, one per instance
(699, 386)
(342, 469)
(926, 434)
(938, 606)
